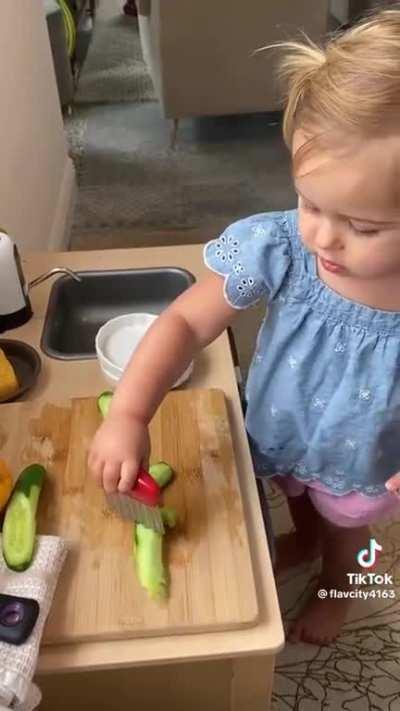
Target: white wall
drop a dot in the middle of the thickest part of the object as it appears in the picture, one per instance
(36, 174)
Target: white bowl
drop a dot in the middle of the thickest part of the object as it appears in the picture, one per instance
(117, 339)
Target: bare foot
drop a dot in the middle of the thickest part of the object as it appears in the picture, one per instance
(292, 549)
(321, 619)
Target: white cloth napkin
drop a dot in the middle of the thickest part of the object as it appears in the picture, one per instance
(18, 663)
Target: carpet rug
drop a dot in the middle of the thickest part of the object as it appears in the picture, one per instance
(360, 671)
(222, 168)
(114, 69)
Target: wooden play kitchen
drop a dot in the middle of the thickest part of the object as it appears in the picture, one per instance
(215, 639)
(212, 584)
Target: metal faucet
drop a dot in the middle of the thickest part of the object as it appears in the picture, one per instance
(56, 270)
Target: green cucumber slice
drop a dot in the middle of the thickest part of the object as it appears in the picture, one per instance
(169, 516)
(19, 528)
(148, 549)
(162, 473)
(104, 402)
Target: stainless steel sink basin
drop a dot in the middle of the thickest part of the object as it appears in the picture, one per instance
(76, 310)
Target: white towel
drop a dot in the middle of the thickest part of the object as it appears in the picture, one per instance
(18, 663)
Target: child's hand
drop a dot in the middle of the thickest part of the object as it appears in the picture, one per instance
(393, 484)
(120, 446)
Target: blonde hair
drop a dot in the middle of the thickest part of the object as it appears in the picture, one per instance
(353, 83)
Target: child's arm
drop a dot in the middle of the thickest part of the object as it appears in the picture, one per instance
(190, 323)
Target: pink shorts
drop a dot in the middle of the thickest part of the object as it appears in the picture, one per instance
(349, 510)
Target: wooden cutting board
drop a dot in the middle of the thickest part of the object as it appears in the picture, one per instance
(98, 596)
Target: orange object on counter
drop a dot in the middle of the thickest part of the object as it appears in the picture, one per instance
(6, 484)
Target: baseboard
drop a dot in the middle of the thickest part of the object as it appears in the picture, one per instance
(61, 230)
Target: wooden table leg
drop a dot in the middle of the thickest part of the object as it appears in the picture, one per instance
(252, 680)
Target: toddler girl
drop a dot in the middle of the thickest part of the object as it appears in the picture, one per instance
(323, 392)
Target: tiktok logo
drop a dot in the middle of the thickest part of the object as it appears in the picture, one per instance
(366, 557)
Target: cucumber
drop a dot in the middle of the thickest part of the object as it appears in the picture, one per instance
(148, 551)
(162, 473)
(104, 402)
(148, 554)
(148, 544)
(169, 516)
(19, 527)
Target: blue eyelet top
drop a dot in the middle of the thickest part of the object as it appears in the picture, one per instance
(323, 390)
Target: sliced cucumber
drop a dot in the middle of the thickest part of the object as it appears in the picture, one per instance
(169, 516)
(104, 402)
(162, 473)
(148, 550)
(19, 528)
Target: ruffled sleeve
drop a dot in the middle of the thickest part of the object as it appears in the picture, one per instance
(253, 255)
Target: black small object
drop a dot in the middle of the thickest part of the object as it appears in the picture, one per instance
(18, 616)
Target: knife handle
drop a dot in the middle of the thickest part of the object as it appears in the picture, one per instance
(146, 489)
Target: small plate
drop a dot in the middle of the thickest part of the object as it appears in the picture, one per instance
(117, 339)
(26, 363)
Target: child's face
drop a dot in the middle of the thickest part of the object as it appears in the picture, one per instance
(349, 206)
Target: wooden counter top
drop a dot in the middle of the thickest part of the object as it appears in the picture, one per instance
(213, 369)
